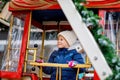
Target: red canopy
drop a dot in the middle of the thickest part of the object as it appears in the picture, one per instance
(33, 4)
(52, 4)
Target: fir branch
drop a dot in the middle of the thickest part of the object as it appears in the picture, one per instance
(106, 46)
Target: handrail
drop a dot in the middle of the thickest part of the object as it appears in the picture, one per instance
(60, 65)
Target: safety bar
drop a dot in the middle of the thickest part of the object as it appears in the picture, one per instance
(59, 67)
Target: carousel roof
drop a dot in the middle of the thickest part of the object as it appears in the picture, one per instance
(49, 10)
(52, 4)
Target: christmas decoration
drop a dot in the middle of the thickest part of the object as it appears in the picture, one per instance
(106, 46)
(2, 4)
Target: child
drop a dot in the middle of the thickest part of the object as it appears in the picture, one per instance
(65, 56)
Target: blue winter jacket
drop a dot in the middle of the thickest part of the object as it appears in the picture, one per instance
(63, 56)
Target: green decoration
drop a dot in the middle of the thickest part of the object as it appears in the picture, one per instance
(2, 4)
(106, 46)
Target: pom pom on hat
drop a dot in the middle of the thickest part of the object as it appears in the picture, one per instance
(69, 36)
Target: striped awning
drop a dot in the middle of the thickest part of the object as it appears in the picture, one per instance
(33, 4)
(52, 4)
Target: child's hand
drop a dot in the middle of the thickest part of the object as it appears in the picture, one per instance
(39, 61)
(72, 63)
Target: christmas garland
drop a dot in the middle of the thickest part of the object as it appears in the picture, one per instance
(2, 4)
(106, 46)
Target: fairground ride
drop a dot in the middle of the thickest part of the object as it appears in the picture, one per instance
(46, 15)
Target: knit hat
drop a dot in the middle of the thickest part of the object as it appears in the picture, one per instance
(69, 36)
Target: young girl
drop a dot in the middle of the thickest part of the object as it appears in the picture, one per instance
(65, 56)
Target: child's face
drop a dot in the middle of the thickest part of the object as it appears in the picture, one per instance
(62, 43)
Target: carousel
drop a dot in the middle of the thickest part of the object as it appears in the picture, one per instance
(34, 25)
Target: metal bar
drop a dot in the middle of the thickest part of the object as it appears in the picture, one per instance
(43, 42)
(9, 44)
(57, 73)
(77, 73)
(60, 65)
(60, 73)
(41, 73)
(28, 42)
